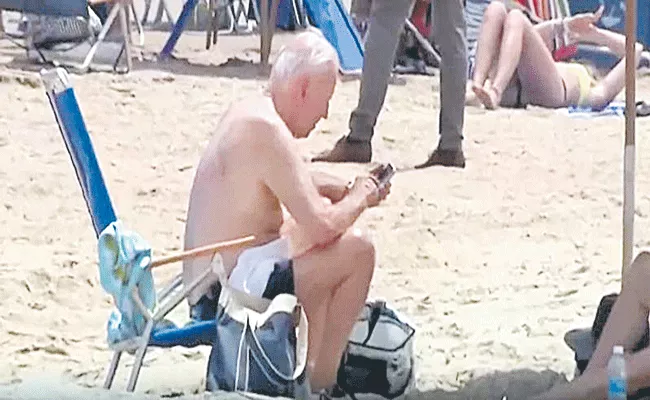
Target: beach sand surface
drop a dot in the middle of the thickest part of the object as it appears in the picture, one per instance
(493, 263)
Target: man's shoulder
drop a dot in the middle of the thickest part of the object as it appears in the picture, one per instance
(260, 126)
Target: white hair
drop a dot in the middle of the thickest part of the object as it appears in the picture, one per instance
(309, 53)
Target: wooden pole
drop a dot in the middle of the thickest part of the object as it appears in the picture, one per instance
(264, 17)
(630, 119)
(200, 251)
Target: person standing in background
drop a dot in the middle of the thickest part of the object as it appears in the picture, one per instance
(386, 22)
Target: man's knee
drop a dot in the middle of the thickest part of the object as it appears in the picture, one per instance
(362, 252)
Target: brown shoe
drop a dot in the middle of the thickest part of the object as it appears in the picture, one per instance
(347, 151)
(446, 158)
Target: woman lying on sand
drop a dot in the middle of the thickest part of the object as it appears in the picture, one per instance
(513, 54)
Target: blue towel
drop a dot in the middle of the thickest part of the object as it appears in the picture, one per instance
(124, 260)
(616, 108)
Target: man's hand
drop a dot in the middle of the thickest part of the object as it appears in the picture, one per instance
(374, 194)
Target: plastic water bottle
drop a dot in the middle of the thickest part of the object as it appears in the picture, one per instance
(617, 375)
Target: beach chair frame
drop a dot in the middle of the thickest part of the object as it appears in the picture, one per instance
(119, 9)
(140, 344)
(72, 127)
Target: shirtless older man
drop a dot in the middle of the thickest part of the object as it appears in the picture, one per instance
(250, 169)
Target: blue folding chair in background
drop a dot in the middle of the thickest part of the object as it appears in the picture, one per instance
(125, 261)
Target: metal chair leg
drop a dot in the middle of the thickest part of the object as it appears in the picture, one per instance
(124, 24)
(209, 30)
(110, 374)
(139, 356)
(145, 14)
(138, 25)
(102, 35)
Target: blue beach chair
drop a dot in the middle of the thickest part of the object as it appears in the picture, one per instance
(124, 257)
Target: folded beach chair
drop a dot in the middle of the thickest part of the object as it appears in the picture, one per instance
(125, 261)
(82, 54)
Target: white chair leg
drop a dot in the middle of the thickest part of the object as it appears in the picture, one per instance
(102, 35)
(124, 25)
(231, 17)
(110, 374)
(138, 26)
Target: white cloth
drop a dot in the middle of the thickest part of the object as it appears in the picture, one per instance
(255, 265)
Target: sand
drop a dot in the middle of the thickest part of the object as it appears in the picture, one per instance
(494, 263)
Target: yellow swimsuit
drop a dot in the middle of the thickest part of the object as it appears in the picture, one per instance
(585, 80)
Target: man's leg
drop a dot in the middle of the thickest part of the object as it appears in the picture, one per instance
(625, 326)
(332, 286)
(449, 25)
(387, 20)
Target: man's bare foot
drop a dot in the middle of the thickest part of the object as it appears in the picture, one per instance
(489, 96)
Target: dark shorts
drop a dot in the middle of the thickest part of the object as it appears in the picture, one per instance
(281, 280)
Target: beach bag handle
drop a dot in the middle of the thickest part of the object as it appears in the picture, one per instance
(240, 301)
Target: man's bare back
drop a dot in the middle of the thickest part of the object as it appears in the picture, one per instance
(230, 199)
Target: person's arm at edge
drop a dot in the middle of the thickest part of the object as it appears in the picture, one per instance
(613, 41)
(593, 385)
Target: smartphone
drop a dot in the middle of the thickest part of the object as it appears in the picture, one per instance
(386, 174)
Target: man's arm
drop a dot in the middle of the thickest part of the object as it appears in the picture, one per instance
(330, 186)
(289, 178)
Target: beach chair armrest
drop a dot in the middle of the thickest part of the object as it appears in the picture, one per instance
(168, 305)
(170, 287)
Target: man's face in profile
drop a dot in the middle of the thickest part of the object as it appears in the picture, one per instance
(315, 98)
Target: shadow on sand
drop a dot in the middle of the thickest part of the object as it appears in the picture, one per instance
(517, 385)
(520, 384)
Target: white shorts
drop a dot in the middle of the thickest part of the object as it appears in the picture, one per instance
(255, 266)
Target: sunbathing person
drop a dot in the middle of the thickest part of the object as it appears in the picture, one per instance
(625, 326)
(250, 170)
(515, 55)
